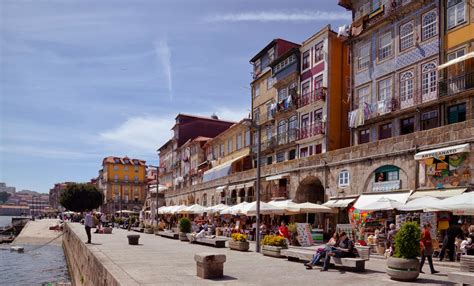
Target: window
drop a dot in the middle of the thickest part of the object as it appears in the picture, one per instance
(221, 150)
(385, 46)
(135, 168)
(318, 149)
(125, 178)
(125, 168)
(117, 160)
(282, 94)
(280, 157)
(282, 132)
(406, 85)
(385, 131)
(406, 36)
(247, 138)
(292, 126)
(292, 154)
(375, 5)
(385, 89)
(256, 115)
(305, 88)
(135, 179)
(456, 69)
(364, 136)
(291, 59)
(257, 67)
(269, 111)
(270, 82)
(239, 141)
(456, 13)
(318, 83)
(407, 125)
(257, 89)
(229, 146)
(364, 56)
(343, 178)
(269, 132)
(318, 52)
(271, 54)
(392, 175)
(429, 78)
(429, 26)
(305, 60)
(364, 95)
(116, 167)
(116, 178)
(457, 113)
(304, 152)
(269, 160)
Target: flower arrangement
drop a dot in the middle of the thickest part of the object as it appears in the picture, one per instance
(274, 240)
(239, 237)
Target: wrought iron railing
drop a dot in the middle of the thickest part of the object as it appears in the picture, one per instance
(456, 84)
(312, 97)
(310, 130)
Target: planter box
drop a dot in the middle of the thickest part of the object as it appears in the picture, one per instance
(149, 230)
(183, 237)
(239, 245)
(274, 251)
(403, 269)
(133, 239)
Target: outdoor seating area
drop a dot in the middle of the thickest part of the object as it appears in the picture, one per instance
(168, 234)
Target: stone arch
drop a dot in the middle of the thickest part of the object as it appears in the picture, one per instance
(310, 189)
(370, 179)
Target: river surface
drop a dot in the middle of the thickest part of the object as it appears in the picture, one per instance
(38, 265)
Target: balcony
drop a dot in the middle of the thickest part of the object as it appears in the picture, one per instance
(386, 186)
(267, 144)
(312, 97)
(286, 137)
(287, 104)
(311, 130)
(456, 84)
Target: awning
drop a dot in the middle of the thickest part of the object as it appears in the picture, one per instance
(338, 202)
(440, 194)
(277, 177)
(456, 60)
(443, 151)
(220, 171)
(369, 198)
(220, 189)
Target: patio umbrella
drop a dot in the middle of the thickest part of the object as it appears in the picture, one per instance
(265, 208)
(383, 204)
(312, 208)
(460, 204)
(217, 208)
(419, 204)
(288, 205)
(177, 209)
(235, 209)
(193, 209)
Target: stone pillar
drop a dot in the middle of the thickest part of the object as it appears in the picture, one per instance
(209, 265)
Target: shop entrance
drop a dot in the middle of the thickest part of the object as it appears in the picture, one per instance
(311, 190)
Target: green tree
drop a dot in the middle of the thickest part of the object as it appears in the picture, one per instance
(4, 196)
(81, 197)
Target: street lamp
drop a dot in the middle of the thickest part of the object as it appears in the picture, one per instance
(258, 127)
(157, 188)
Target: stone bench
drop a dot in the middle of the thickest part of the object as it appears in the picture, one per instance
(137, 229)
(463, 278)
(209, 265)
(216, 242)
(168, 234)
(307, 255)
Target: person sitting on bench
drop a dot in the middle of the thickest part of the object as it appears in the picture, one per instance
(321, 252)
(345, 248)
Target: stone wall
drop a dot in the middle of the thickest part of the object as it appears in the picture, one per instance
(360, 160)
(84, 265)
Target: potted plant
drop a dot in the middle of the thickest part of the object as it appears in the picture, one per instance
(149, 229)
(273, 244)
(239, 242)
(404, 264)
(293, 234)
(184, 228)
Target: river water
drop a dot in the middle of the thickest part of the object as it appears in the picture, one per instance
(38, 265)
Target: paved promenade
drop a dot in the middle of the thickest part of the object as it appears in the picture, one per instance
(162, 261)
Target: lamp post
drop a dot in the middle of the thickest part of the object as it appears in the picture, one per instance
(258, 127)
(157, 187)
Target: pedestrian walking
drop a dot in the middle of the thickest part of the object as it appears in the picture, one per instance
(426, 245)
(88, 223)
(449, 239)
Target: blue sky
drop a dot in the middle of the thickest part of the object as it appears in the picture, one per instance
(81, 80)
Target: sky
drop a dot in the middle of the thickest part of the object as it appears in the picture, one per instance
(82, 80)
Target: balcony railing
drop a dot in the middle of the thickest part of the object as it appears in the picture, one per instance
(288, 103)
(310, 131)
(456, 84)
(312, 97)
(286, 137)
(266, 144)
(386, 186)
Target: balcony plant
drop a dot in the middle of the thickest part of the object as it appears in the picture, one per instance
(184, 228)
(273, 244)
(239, 242)
(404, 265)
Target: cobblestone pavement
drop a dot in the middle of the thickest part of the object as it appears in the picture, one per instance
(163, 261)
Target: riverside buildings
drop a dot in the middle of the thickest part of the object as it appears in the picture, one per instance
(397, 115)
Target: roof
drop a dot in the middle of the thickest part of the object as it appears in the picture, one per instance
(202, 138)
(325, 29)
(268, 46)
(112, 160)
(284, 56)
(345, 3)
(238, 124)
(165, 145)
(201, 117)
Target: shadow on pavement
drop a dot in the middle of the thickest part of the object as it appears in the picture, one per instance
(225, 278)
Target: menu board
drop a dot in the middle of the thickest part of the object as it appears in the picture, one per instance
(304, 234)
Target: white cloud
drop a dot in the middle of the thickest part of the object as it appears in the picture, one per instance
(232, 114)
(46, 152)
(163, 53)
(273, 16)
(138, 135)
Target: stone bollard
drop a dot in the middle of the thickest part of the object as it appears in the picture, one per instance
(133, 239)
(209, 265)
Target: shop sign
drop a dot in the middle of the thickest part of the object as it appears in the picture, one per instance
(386, 186)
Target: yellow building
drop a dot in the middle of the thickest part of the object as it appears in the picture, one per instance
(123, 181)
